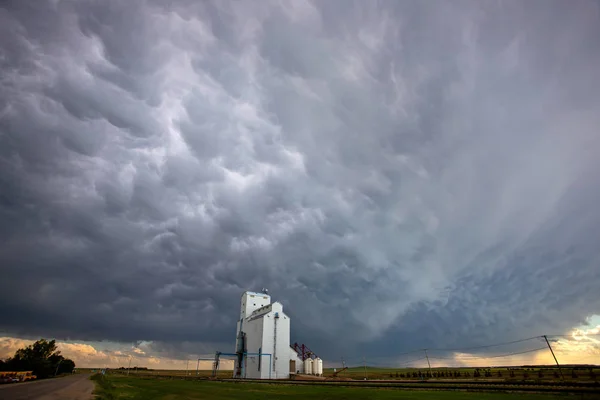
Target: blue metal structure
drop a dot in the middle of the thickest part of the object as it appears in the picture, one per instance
(218, 354)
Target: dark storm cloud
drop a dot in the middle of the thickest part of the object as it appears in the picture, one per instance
(398, 175)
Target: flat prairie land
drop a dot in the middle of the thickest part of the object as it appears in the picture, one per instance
(540, 374)
(114, 387)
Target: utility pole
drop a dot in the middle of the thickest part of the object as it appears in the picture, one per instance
(551, 351)
(428, 364)
(365, 364)
(55, 372)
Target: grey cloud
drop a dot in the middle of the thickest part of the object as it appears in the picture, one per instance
(399, 175)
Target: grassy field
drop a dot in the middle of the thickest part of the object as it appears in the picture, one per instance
(513, 374)
(543, 374)
(114, 387)
(222, 374)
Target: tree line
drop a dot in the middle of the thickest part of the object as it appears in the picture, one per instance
(42, 358)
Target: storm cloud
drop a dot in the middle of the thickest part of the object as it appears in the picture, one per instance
(398, 174)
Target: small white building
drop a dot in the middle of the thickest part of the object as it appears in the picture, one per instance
(263, 340)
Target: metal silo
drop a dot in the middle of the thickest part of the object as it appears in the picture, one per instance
(308, 364)
(318, 366)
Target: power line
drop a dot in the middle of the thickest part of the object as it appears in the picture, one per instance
(496, 356)
(516, 356)
(487, 346)
(359, 360)
(387, 365)
(573, 335)
(472, 357)
(411, 361)
(382, 364)
(498, 344)
(410, 352)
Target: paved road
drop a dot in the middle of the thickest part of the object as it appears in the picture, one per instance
(75, 387)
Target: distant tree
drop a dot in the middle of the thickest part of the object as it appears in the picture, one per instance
(66, 366)
(42, 358)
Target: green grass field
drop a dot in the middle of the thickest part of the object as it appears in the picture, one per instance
(517, 374)
(115, 387)
(543, 374)
(358, 373)
(222, 374)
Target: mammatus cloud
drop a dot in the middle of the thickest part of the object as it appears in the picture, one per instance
(415, 174)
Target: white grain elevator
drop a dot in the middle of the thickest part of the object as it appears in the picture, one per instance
(263, 340)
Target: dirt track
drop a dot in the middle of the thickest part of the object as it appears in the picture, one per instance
(75, 387)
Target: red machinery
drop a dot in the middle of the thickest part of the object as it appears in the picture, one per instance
(303, 351)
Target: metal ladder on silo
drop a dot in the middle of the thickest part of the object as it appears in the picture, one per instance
(275, 343)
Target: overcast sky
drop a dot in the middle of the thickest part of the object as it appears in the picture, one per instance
(399, 174)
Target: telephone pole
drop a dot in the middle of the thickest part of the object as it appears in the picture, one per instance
(428, 364)
(551, 351)
(365, 364)
(56, 372)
